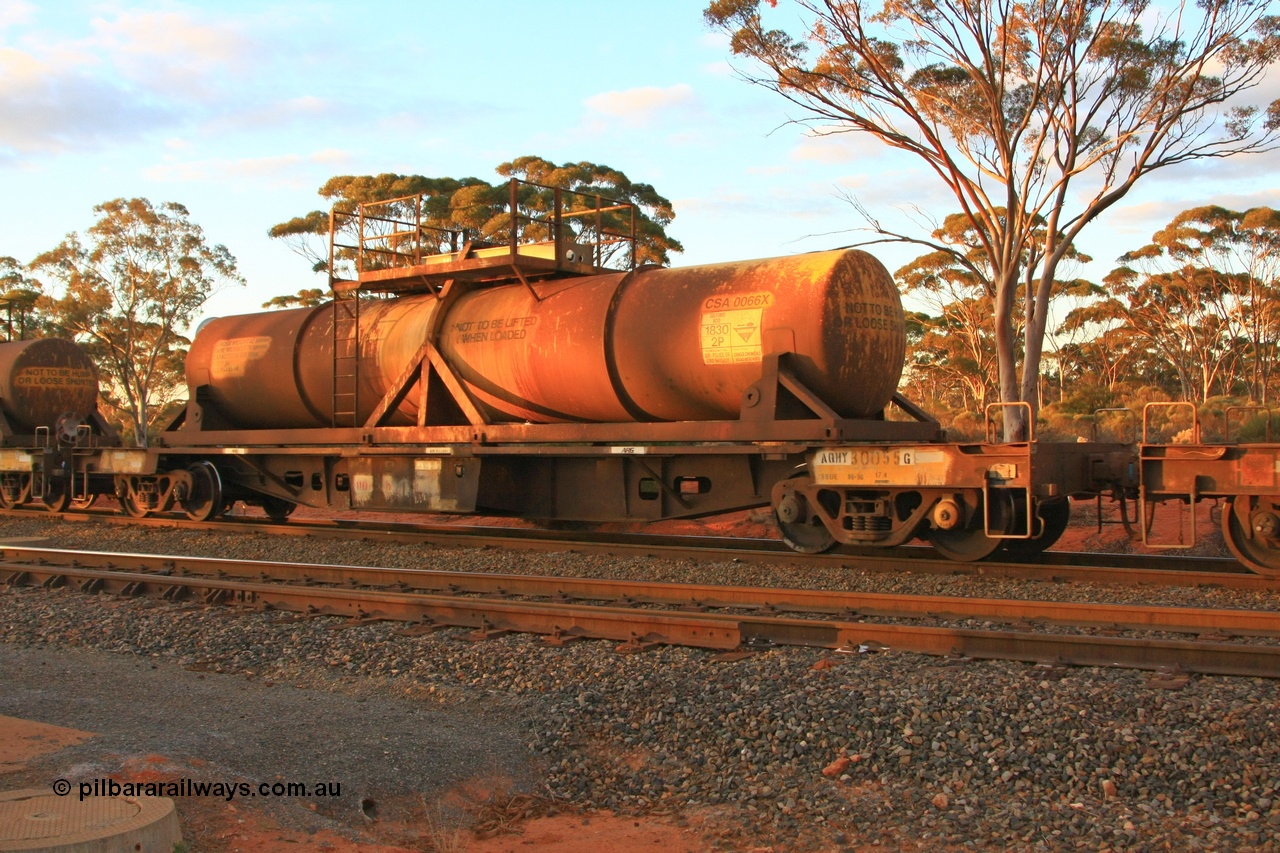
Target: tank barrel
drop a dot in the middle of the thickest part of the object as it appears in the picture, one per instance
(45, 379)
(647, 345)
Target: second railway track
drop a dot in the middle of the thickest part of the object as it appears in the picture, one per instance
(1130, 569)
(643, 613)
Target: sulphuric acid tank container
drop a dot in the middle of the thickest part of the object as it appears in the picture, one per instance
(42, 380)
(650, 345)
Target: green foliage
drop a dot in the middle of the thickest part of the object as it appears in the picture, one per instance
(1057, 424)
(966, 426)
(127, 290)
(955, 283)
(1195, 313)
(1204, 296)
(480, 211)
(1085, 398)
(19, 295)
(308, 297)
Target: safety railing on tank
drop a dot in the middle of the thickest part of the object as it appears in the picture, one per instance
(1010, 423)
(610, 225)
(387, 234)
(15, 308)
(580, 230)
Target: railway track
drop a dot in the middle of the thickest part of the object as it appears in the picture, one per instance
(736, 620)
(1130, 569)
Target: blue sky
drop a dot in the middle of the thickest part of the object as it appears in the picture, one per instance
(240, 110)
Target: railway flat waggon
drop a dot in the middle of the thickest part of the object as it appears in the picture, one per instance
(540, 376)
(530, 378)
(1242, 477)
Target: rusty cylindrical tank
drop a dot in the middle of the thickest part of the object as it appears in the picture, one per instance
(650, 345)
(42, 380)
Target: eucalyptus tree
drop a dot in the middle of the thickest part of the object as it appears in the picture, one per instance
(127, 290)
(1182, 315)
(480, 211)
(1237, 256)
(1049, 110)
(19, 297)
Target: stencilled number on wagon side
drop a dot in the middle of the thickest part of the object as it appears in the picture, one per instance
(880, 466)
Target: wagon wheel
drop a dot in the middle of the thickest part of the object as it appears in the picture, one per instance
(8, 502)
(1261, 551)
(204, 499)
(84, 502)
(278, 509)
(1056, 516)
(970, 544)
(57, 495)
(128, 501)
(801, 529)
(131, 507)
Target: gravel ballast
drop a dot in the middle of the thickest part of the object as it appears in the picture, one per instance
(919, 752)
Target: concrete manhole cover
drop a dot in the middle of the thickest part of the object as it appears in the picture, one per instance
(36, 820)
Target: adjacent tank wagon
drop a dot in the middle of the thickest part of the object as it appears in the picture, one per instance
(51, 431)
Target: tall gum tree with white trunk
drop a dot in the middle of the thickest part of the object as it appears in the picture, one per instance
(1037, 115)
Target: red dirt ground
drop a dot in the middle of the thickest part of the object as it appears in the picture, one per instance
(215, 826)
(23, 740)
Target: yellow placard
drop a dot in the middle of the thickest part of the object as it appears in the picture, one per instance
(231, 357)
(731, 337)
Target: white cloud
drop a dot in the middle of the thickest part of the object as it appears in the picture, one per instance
(307, 108)
(715, 40)
(1246, 168)
(135, 72)
(306, 105)
(15, 12)
(49, 107)
(1141, 219)
(853, 182)
(174, 51)
(641, 107)
(788, 201)
(332, 157)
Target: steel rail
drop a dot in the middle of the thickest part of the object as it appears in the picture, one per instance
(1198, 572)
(1187, 620)
(640, 627)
